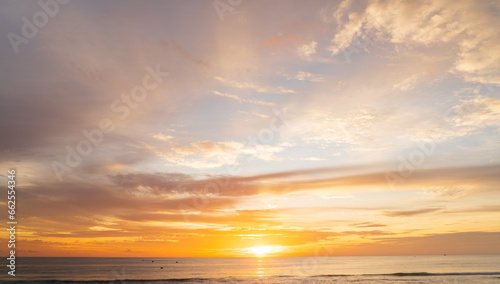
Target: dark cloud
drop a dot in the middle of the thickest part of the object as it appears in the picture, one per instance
(76, 206)
(368, 225)
(410, 213)
(241, 186)
(183, 52)
(366, 233)
(161, 183)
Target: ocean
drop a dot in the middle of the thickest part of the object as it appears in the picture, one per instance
(356, 269)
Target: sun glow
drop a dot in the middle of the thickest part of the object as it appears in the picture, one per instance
(261, 251)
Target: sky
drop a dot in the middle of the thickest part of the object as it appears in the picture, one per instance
(251, 128)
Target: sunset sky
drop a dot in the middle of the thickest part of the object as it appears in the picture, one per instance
(251, 128)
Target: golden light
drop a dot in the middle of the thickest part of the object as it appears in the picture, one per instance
(261, 251)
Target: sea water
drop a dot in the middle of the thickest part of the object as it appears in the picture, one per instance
(355, 269)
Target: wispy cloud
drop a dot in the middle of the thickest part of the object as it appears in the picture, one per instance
(477, 112)
(368, 225)
(254, 113)
(305, 76)
(208, 154)
(410, 213)
(260, 88)
(335, 178)
(162, 137)
(407, 84)
(243, 100)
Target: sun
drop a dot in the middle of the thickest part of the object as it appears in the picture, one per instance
(261, 251)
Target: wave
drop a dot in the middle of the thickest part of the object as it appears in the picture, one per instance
(101, 281)
(442, 274)
(243, 278)
(402, 274)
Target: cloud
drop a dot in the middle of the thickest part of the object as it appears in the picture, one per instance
(87, 216)
(305, 76)
(266, 152)
(260, 88)
(254, 113)
(410, 213)
(182, 185)
(465, 27)
(132, 251)
(468, 116)
(162, 195)
(362, 129)
(384, 128)
(162, 137)
(453, 192)
(198, 155)
(306, 50)
(286, 182)
(140, 204)
(205, 154)
(480, 209)
(477, 112)
(483, 176)
(183, 52)
(208, 154)
(364, 234)
(329, 14)
(242, 100)
(407, 84)
(368, 225)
